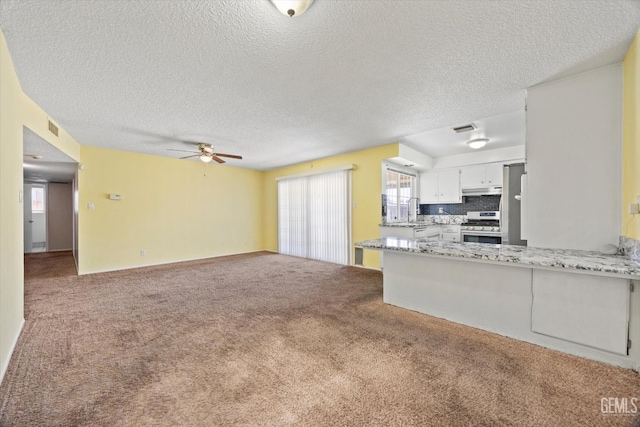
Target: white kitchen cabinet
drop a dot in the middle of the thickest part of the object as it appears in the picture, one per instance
(489, 175)
(472, 176)
(404, 232)
(429, 188)
(431, 232)
(440, 187)
(494, 174)
(450, 233)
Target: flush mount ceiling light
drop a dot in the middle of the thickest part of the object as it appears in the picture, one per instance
(477, 143)
(292, 7)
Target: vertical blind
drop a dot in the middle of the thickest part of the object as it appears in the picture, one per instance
(314, 218)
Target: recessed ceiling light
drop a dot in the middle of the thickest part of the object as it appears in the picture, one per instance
(478, 143)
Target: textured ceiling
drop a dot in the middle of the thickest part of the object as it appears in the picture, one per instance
(150, 75)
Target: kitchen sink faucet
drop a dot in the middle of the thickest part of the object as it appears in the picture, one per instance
(415, 211)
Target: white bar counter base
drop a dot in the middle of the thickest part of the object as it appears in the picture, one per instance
(578, 302)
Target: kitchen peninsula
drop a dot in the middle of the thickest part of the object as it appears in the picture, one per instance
(577, 302)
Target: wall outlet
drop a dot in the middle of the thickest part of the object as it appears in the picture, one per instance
(143, 252)
(91, 206)
(633, 208)
(440, 210)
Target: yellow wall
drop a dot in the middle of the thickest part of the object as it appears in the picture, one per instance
(11, 242)
(175, 209)
(631, 138)
(366, 185)
(38, 121)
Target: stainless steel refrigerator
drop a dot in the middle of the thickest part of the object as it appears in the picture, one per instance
(510, 206)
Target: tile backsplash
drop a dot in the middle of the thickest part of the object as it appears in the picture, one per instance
(469, 203)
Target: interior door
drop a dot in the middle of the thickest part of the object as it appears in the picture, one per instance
(28, 219)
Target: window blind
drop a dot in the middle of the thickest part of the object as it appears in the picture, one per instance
(314, 217)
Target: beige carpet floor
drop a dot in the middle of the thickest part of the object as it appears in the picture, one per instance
(266, 340)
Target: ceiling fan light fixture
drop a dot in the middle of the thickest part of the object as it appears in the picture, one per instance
(477, 143)
(292, 8)
(205, 158)
(205, 148)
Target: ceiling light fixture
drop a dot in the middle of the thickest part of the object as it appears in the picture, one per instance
(292, 7)
(477, 143)
(205, 158)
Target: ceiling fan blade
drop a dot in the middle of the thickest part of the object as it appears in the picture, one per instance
(217, 159)
(184, 151)
(188, 157)
(233, 156)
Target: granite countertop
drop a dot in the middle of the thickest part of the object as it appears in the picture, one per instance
(407, 224)
(428, 220)
(557, 258)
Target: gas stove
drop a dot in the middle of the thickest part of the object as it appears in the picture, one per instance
(485, 223)
(494, 228)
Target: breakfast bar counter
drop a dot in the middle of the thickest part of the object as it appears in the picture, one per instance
(578, 302)
(592, 262)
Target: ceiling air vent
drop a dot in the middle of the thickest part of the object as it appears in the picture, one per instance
(465, 128)
(53, 128)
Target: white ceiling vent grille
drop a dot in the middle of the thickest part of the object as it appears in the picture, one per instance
(465, 128)
(53, 128)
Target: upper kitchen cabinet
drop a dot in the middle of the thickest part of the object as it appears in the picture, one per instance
(440, 187)
(489, 175)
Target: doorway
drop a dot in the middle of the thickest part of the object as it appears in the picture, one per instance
(35, 217)
(50, 186)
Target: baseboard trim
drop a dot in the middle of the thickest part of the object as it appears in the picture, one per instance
(13, 346)
(366, 267)
(170, 262)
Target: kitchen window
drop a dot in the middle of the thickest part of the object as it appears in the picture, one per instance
(400, 192)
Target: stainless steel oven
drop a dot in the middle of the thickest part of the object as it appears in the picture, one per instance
(482, 237)
(482, 227)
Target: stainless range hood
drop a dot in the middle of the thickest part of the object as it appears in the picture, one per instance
(483, 191)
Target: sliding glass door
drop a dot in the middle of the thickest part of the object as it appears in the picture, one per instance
(314, 216)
